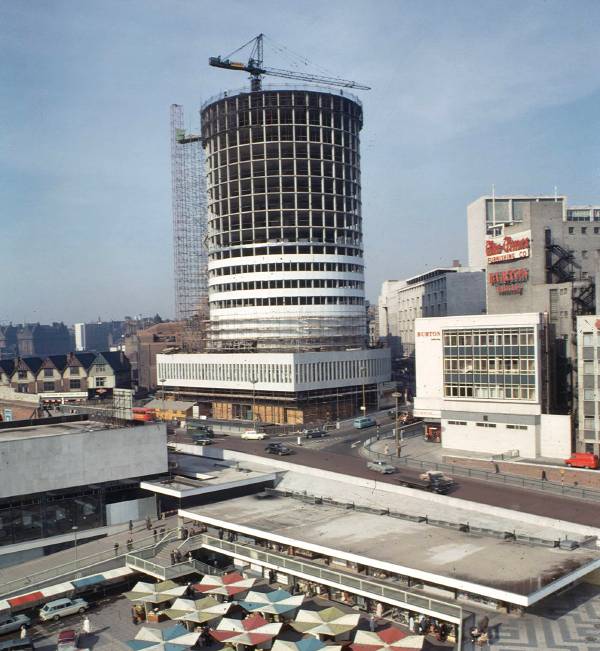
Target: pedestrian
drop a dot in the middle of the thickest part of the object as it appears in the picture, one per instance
(544, 478)
(86, 626)
(130, 526)
(386, 449)
(172, 557)
(178, 556)
(372, 623)
(116, 547)
(411, 624)
(23, 633)
(148, 523)
(155, 535)
(190, 557)
(129, 544)
(221, 534)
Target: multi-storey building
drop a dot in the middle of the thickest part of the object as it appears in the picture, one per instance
(588, 376)
(439, 292)
(539, 256)
(486, 381)
(285, 261)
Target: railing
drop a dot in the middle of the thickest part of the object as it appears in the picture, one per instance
(80, 566)
(496, 477)
(413, 601)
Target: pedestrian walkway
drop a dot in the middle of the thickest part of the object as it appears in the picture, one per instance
(113, 545)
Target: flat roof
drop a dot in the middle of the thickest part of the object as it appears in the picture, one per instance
(52, 429)
(479, 564)
(208, 476)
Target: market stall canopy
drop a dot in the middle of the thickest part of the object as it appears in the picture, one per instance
(389, 639)
(173, 638)
(254, 630)
(228, 584)
(198, 611)
(305, 644)
(329, 621)
(155, 593)
(275, 602)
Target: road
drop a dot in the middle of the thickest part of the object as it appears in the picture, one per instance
(336, 454)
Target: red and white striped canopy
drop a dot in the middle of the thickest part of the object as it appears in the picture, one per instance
(228, 584)
(254, 630)
(389, 639)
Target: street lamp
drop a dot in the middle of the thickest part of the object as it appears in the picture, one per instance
(253, 381)
(162, 382)
(363, 372)
(74, 530)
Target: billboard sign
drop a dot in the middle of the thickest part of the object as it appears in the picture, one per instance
(508, 247)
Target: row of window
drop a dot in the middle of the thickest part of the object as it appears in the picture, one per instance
(278, 183)
(286, 201)
(271, 267)
(274, 218)
(261, 133)
(284, 150)
(264, 236)
(584, 230)
(493, 365)
(291, 283)
(271, 249)
(284, 167)
(490, 337)
(284, 98)
(490, 392)
(583, 215)
(275, 373)
(272, 301)
(463, 423)
(300, 169)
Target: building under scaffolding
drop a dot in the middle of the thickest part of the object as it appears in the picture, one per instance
(189, 219)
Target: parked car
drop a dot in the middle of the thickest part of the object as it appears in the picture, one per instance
(17, 644)
(61, 608)
(364, 421)
(67, 640)
(582, 460)
(14, 623)
(278, 448)
(381, 466)
(254, 435)
(314, 433)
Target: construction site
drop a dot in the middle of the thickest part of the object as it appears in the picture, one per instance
(269, 252)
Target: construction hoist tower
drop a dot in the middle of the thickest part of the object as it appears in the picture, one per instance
(189, 220)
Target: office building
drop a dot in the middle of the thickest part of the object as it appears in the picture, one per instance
(540, 256)
(485, 381)
(285, 262)
(588, 376)
(444, 291)
(97, 488)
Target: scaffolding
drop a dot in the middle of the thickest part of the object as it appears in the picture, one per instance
(189, 220)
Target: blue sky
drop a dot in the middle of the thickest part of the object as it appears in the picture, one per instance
(465, 94)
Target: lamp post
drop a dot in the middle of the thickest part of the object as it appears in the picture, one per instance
(253, 382)
(363, 372)
(397, 432)
(74, 530)
(162, 382)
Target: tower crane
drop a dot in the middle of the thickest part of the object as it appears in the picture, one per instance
(257, 70)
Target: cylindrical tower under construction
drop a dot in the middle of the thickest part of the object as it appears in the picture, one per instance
(284, 232)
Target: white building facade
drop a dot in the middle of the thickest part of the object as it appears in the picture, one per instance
(439, 292)
(484, 379)
(588, 376)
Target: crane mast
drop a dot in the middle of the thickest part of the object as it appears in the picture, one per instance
(257, 70)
